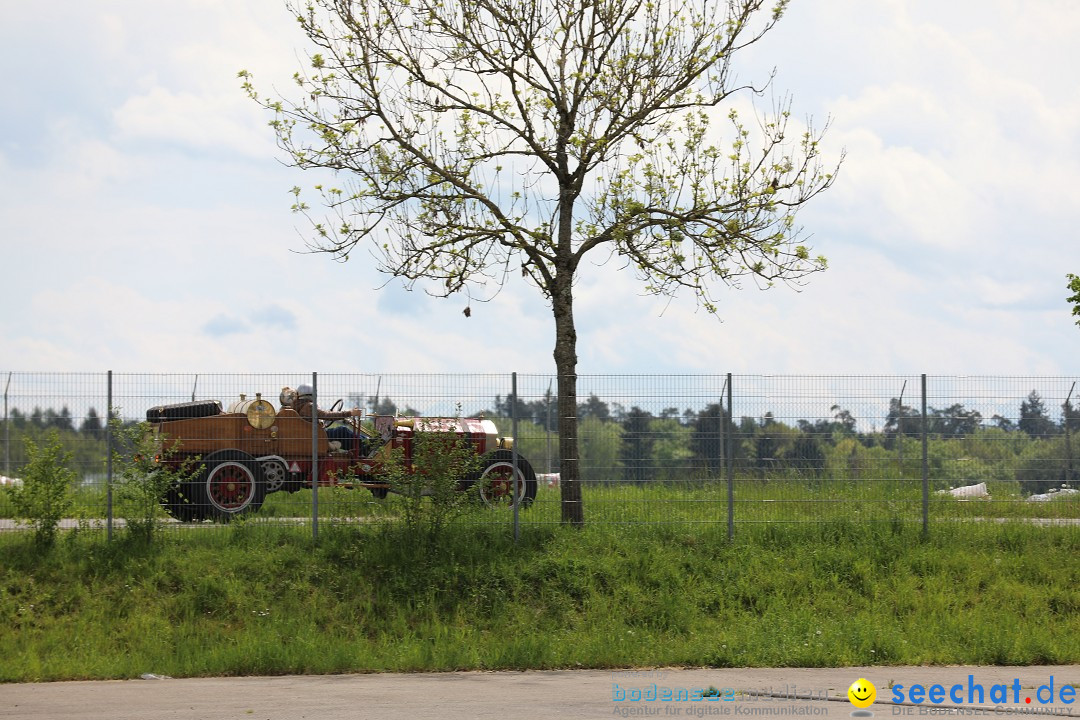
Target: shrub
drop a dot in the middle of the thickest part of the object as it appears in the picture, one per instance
(1043, 465)
(141, 480)
(440, 460)
(45, 495)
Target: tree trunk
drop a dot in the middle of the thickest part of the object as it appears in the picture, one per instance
(566, 366)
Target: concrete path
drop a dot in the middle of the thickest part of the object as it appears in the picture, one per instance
(755, 694)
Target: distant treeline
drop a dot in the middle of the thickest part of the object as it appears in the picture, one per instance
(93, 424)
(83, 437)
(636, 445)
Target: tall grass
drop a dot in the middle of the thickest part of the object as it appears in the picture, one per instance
(697, 503)
(757, 500)
(264, 599)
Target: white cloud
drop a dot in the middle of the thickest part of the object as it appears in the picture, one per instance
(995, 293)
(904, 197)
(219, 123)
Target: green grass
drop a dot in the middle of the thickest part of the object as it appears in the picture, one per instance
(263, 599)
(756, 501)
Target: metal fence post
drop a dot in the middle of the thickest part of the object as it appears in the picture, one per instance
(314, 456)
(900, 427)
(925, 466)
(1066, 412)
(721, 438)
(729, 460)
(514, 452)
(547, 428)
(108, 457)
(7, 431)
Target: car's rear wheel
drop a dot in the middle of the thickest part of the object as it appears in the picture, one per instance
(231, 483)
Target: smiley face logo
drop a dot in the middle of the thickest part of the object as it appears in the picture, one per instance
(862, 693)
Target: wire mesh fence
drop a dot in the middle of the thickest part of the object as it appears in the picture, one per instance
(693, 449)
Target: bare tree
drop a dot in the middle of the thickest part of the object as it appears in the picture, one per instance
(478, 138)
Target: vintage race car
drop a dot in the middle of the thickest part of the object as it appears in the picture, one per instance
(252, 449)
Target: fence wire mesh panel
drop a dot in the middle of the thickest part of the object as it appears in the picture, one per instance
(1002, 447)
(820, 448)
(649, 448)
(201, 450)
(233, 449)
(70, 407)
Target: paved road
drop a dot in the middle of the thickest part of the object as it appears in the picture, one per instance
(763, 694)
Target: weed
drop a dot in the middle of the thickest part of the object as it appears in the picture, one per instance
(143, 477)
(44, 498)
(438, 463)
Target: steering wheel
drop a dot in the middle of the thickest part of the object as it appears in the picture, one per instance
(337, 405)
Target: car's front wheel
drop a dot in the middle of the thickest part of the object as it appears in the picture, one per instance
(499, 484)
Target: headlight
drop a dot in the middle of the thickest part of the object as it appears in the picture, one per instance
(260, 414)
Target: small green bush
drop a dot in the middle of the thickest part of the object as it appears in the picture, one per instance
(440, 460)
(44, 498)
(1044, 465)
(141, 479)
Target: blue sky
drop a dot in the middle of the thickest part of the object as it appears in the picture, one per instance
(144, 223)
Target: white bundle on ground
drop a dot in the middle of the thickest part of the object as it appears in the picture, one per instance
(967, 491)
(1053, 495)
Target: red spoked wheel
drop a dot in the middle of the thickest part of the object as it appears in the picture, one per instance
(231, 483)
(499, 484)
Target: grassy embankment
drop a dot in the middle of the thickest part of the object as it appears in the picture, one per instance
(263, 599)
